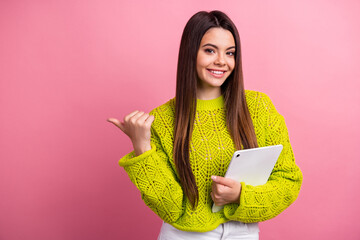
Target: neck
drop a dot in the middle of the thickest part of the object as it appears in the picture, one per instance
(208, 94)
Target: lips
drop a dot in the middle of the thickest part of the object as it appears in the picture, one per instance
(217, 73)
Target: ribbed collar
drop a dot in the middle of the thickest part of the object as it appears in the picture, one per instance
(211, 104)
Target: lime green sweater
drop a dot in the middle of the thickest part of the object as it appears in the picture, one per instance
(211, 148)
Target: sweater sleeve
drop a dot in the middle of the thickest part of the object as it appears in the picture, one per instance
(152, 174)
(264, 202)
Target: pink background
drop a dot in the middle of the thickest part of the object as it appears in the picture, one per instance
(66, 66)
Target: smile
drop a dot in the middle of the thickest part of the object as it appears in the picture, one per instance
(217, 73)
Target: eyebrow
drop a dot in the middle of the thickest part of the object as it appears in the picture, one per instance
(214, 46)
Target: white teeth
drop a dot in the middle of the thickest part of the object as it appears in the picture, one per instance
(217, 72)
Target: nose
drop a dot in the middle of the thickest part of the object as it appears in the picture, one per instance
(220, 60)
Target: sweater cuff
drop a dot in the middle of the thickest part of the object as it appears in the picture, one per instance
(242, 194)
(130, 158)
(232, 211)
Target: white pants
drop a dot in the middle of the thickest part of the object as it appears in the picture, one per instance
(229, 231)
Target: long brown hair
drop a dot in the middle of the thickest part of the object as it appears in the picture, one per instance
(237, 114)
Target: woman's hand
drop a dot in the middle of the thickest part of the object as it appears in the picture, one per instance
(225, 190)
(137, 126)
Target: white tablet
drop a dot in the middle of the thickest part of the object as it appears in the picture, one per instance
(252, 166)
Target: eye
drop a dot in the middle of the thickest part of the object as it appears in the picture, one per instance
(231, 53)
(208, 50)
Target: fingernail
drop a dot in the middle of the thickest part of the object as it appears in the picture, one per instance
(213, 177)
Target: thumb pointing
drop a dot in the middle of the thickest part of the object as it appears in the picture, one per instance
(117, 123)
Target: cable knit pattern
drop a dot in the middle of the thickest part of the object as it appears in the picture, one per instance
(211, 148)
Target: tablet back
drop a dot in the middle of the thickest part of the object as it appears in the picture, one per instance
(252, 166)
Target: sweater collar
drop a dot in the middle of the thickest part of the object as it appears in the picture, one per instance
(211, 104)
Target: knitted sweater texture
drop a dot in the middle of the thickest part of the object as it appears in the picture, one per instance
(211, 148)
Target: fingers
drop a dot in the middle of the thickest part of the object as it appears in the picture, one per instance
(217, 199)
(213, 197)
(133, 113)
(150, 120)
(225, 190)
(133, 117)
(216, 192)
(223, 181)
(140, 119)
(136, 119)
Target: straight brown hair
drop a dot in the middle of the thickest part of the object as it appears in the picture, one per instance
(238, 118)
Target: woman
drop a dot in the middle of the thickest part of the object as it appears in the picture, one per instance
(183, 147)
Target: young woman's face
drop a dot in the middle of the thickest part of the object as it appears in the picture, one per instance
(215, 59)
